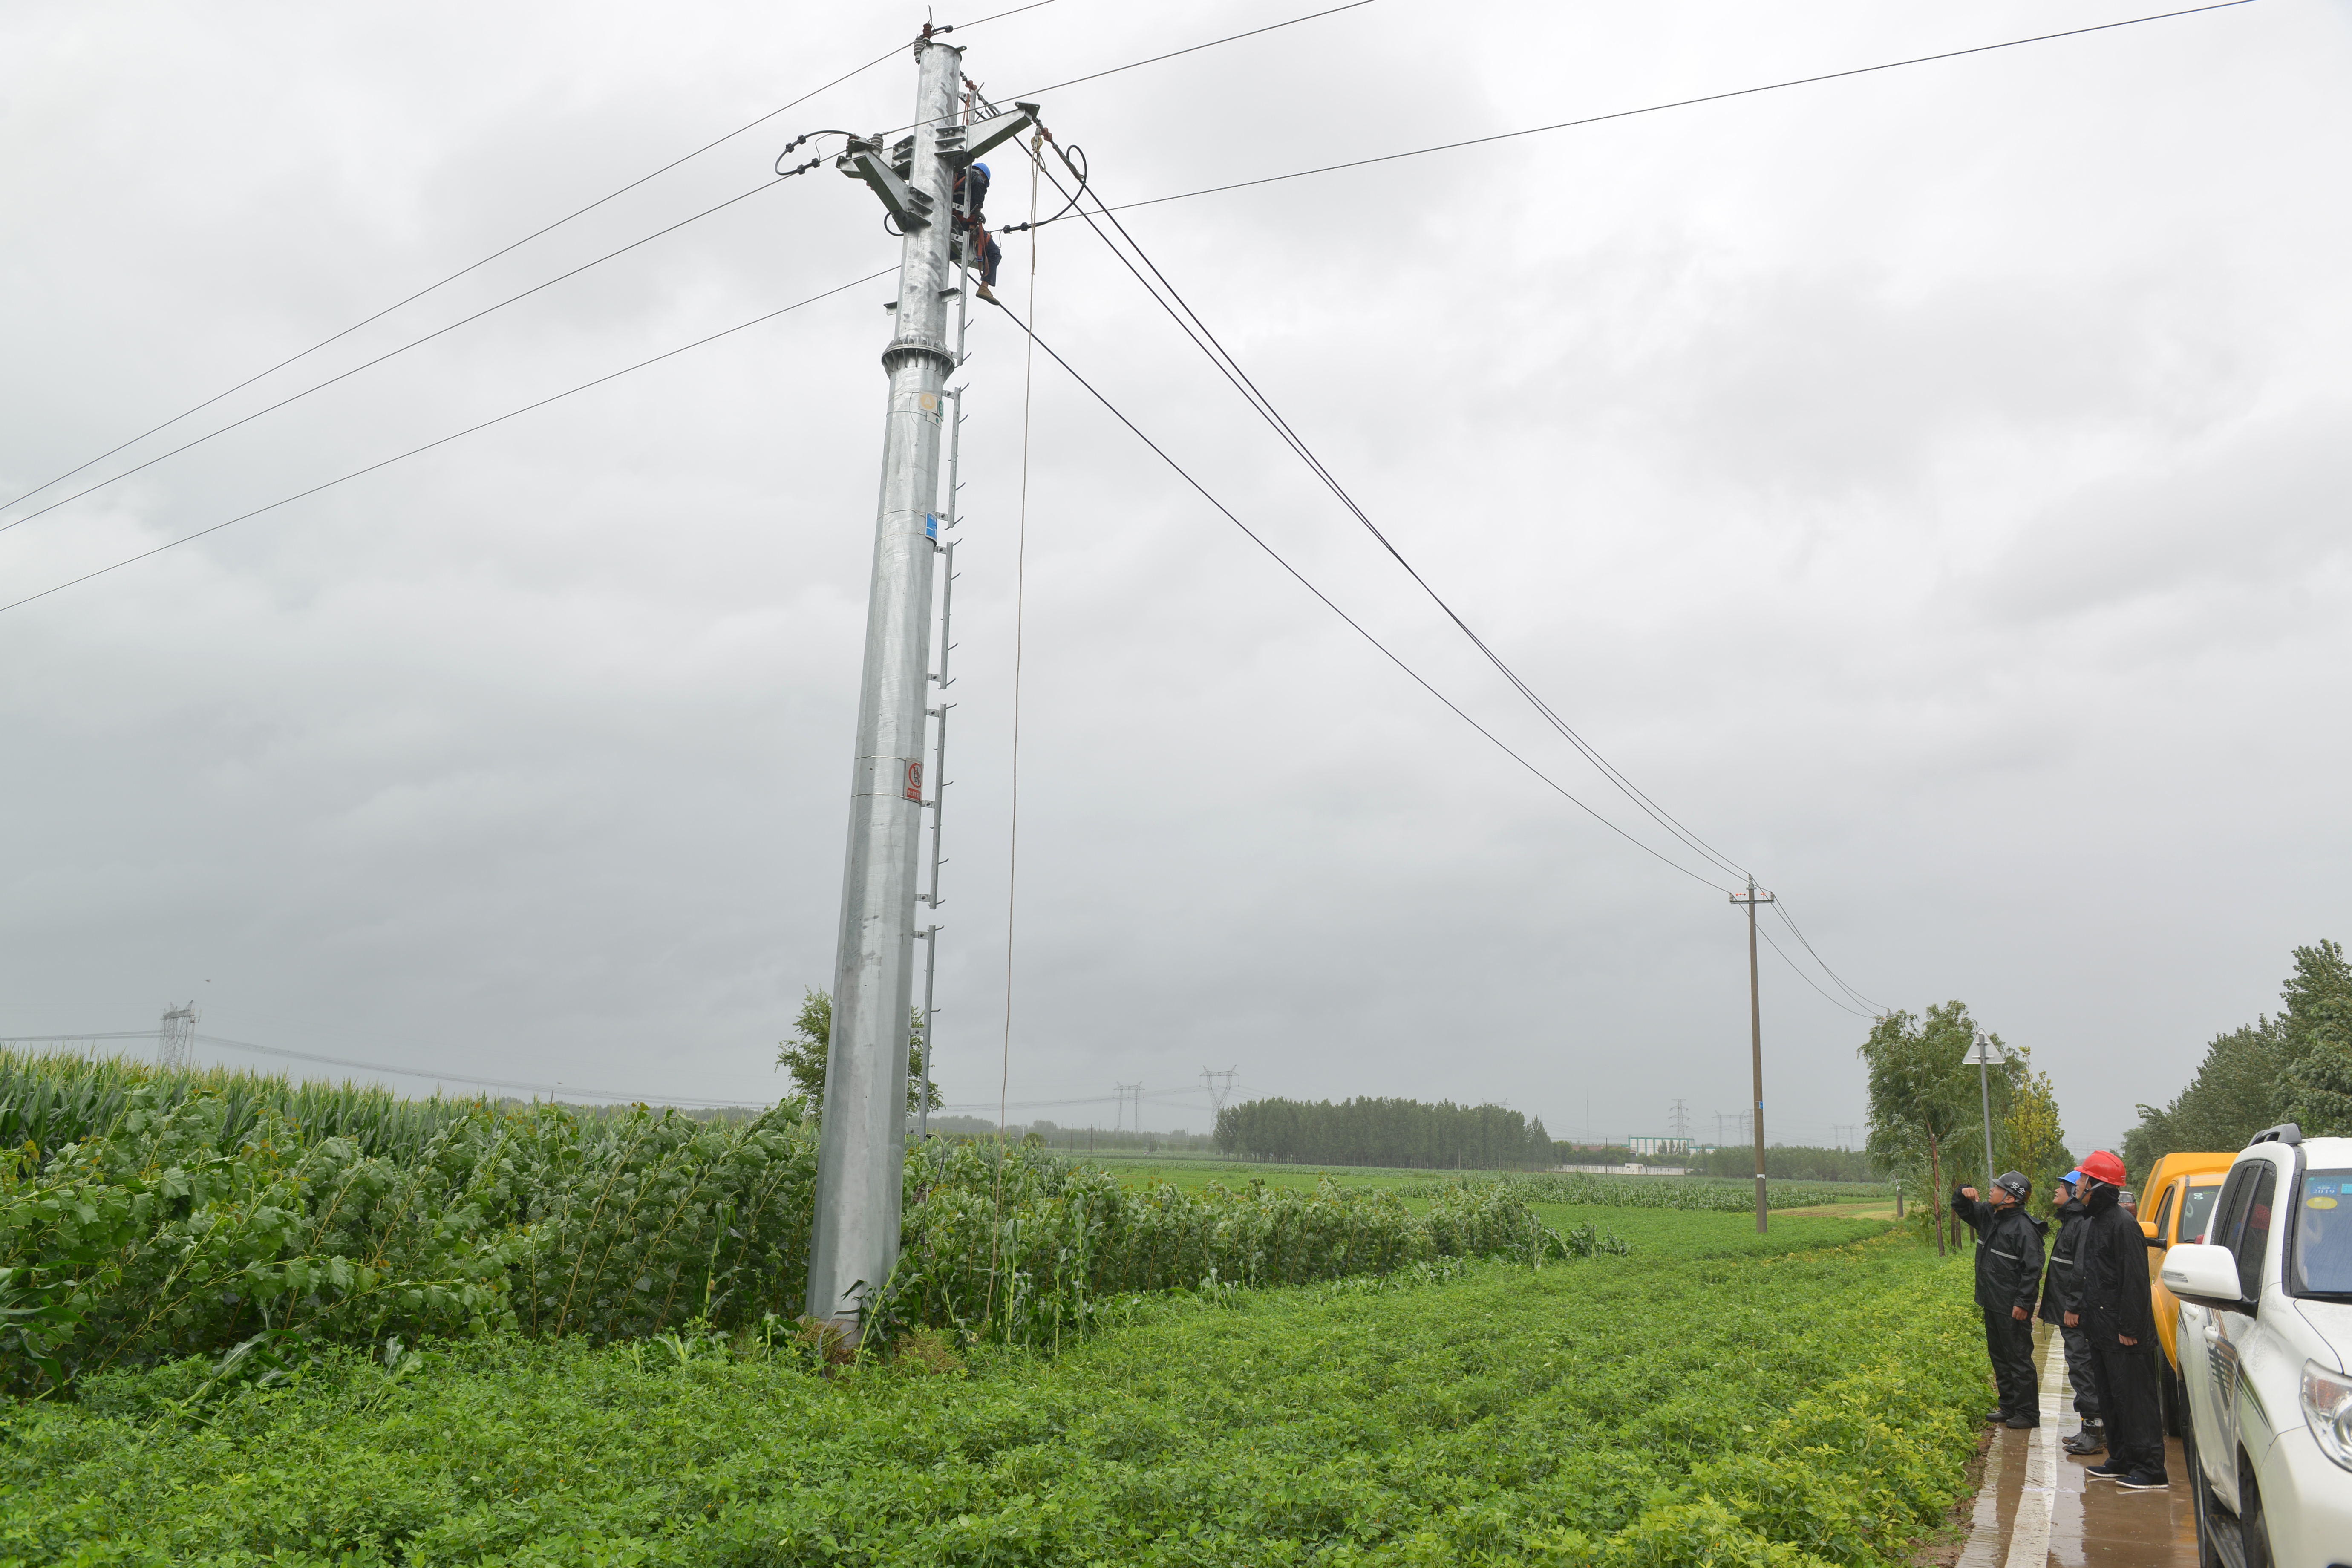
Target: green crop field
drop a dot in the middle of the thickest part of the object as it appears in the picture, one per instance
(1811, 1402)
(243, 1321)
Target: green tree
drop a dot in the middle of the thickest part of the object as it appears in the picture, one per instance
(2239, 1088)
(2316, 1032)
(802, 1054)
(2028, 1134)
(1924, 1093)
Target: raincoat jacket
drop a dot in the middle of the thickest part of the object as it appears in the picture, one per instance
(2113, 1259)
(2009, 1252)
(2062, 1288)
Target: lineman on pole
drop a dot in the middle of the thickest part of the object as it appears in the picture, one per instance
(2008, 1280)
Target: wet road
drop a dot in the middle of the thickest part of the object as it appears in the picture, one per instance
(2037, 1508)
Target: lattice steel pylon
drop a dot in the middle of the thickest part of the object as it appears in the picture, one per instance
(171, 1039)
(1220, 1086)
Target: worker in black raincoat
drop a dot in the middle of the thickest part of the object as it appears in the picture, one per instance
(2121, 1322)
(2008, 1283)
(2062, 1306)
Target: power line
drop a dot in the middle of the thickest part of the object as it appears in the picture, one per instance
(413, 342)
(493, 256)
(1385, 652)
(1681, 103)
(1036, 92)
(557, 1088)
(1807, 978)
(443, 441)
(1264, 406)
(1876, 1009)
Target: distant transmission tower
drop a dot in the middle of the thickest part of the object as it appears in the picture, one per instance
(171, 1039)
(1681, 1117)
(1119, 1117)
(1220, 1086)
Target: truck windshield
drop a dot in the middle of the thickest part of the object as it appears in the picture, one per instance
(2196, 1208)
(2322, 1264)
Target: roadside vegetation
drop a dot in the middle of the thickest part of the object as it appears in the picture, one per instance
(1811, 1402)
(146, 1216)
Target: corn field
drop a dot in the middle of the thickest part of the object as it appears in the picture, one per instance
(147, 1215)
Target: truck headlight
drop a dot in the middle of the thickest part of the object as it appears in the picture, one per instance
(2328, 1411)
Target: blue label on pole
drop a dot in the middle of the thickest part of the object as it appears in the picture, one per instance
(931, 526)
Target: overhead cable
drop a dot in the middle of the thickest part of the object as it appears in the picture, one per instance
(1807, 979)
(443, 441)
(1680, 103)
(1036, 92)
(1877, 1009)
(1357, 626)
(413, 342)
(1198, 331)
(551, 1088)
(493, 256)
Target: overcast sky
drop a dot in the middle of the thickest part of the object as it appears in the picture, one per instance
(1931, 487)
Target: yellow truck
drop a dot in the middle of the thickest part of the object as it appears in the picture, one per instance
(2176, 1200)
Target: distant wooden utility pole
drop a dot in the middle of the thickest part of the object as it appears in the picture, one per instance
(1756, 1035)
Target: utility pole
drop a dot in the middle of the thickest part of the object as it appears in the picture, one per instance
(854, 1242)
(1755, 1035)
(171, 1039)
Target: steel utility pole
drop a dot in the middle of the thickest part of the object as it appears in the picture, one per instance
(862, 1151)
(1755, 1035)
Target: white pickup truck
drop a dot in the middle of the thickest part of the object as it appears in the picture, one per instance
(2265, 1355)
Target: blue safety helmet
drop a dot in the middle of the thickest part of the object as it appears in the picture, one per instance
(982, 168)
(2072, 1178)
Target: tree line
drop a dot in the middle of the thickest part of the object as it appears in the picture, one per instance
(1408, 1133)
(2296, 1067)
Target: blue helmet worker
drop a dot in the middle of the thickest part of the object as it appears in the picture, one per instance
(973, 245)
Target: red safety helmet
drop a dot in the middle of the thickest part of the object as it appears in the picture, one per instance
(2103, 1166)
